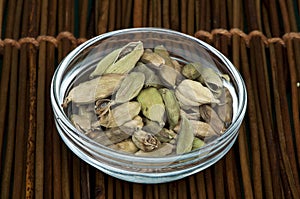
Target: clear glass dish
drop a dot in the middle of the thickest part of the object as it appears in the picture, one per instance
(184, 48)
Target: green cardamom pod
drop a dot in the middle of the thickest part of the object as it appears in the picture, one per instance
(89, 91)
(162, 51)
(197, 143)
(202, 129)
(195, 92)
(165, 135)
(151, 79)
(211, 79)
(152, 105)
(104, 63)
(109, 137)
(172, 106)
(120, 114)
(81, 122)
(130, 87)
(185, 136)
(208, 114)
(145, 141)
(152, 59)
(128, 59)
(190, 71)
(164, 150)
(169, 76)
(126, 146)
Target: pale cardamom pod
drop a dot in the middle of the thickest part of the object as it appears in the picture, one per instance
(224, 109)
(126, 146)
(81, 122)
(98, 88)
(151, 79)
(152, 126)
(109, 137)
(172, 106)
(120, 114)
(185, 136)
(127, 60)
(145, 141)
(164, 150)
(152, 105)
(196, 92)
(165, 135)
(130, 87)
(202, 129)
(133, 125)
(152, 59)
(162, 51)
(209, 115)
(169, 76)
(211, 79)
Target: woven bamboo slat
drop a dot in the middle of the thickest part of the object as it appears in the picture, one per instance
(260, 37)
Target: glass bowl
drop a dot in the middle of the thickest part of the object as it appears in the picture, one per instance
(183, 48)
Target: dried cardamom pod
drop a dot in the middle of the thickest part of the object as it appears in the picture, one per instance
(152, 126)
(177, 65)
(184, 102)
(164, 150)
(209, 115)
(109, 137)
(190, 71)
(172, 106)
(152, 105)
(225, 109)
(145, 141)
(133, 125)
(120, 114)
(151, 79)
(98, 88)
(162, 51)
(104, 63)
(197, 143)
(165, 135)
(130, 87)
(81, 122)
(211, 79)
(169, 76)
(126, 146)
(185, 136)
(152, 59)
(127, 59)
(195, 92)
(202, 129)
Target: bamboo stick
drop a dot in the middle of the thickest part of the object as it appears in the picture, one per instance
(200, 183)
(145, 13)
(203, 10)
(83, 18)
(4, 84)
(65, 175)
(137, 13)
(39, 150)
(209, 183)
(182, 189)
(137, 191)
(149, 191)
(191, 17)
(10, 141)
(126, 190)
(183, 16)
(118, 189)
(76, 188)
(174, 15)
(112, 15)
(232, 184)
(100, 185)
(2, 3)
(150, 13)
(165, 13)
(192, 187)
(110, 188)
(172, 187)
(103, 17)
(163, 191)
(219, 179)
(85, 181)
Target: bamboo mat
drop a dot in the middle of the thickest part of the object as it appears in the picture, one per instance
(260, 37)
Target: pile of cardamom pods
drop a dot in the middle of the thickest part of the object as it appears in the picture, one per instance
(144, 102)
